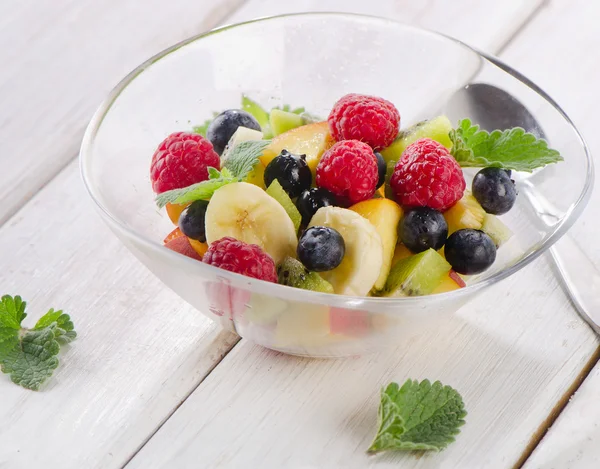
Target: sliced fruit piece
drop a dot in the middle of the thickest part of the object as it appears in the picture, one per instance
(350, 322)
(292, 273)
(436, 129)
(264, 309)
(282, 121)
(302, 325)
(495, 229)
(174, 210)
(400, 252)
(417, 275)
(198, 246)
(466, 213)
(450, 282)
(176, 233)
(247, 213)
(276, 191)
(363, 260)
(384, 215)
(182, 245)
(310, 140)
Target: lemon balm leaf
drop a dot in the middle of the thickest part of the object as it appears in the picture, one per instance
(244, 157)
(65, 329)
(34, 359)
(418, 416)
(199, 191)
(513, 149)
(29, 356)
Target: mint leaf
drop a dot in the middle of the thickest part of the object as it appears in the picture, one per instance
(418, 416)
(199, 191)
(12, 311)
(510, 149)
(29, 356)
(34, 360)
(244, 157)
(64, 326)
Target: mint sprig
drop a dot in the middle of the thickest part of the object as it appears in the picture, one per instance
(244, 157)
(199, 191)
(29, 356)
(509, 149)
(418, 416)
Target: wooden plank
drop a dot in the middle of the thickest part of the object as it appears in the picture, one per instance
(573, 440)
(140, 349)
(59, 60)
(513, 363)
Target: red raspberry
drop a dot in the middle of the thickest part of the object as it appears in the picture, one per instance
(427, 176)
(241, 258)
(181, 160)
(349, 170)
(369, 119)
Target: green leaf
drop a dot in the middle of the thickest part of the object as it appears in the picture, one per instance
(33, 360)
(510, 149)
(12, 311)
(65, 327)
(29, 355)
(200, 191)
(244, 157)
(418, 416)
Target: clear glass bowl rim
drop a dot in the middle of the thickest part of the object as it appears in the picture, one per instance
(295, 294)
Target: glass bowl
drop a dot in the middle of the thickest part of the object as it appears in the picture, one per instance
(301, 60)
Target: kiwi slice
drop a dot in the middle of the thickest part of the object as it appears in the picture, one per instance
(276, 191)
(257, 111)
(495, 229)
(436, 129)
(466, 213)
(282, 121)
(291, 272)
(416, 275)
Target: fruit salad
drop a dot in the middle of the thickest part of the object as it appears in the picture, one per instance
(353, 204)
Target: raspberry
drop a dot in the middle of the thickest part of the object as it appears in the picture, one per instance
(182, 159)
(241, 258)
(369, 119)
(427, 176)
(349, 170)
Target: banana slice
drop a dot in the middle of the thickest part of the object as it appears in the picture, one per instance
(247, 213)
(363, 260)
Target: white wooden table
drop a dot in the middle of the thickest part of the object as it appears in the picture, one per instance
(151, 383)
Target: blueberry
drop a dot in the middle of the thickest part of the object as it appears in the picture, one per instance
(381, 169)
(470, 251)
(225, 124)
(191, 220)
(494, 190)
(291, 171)
(321, 248)
(423, 228)
(312, 200)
